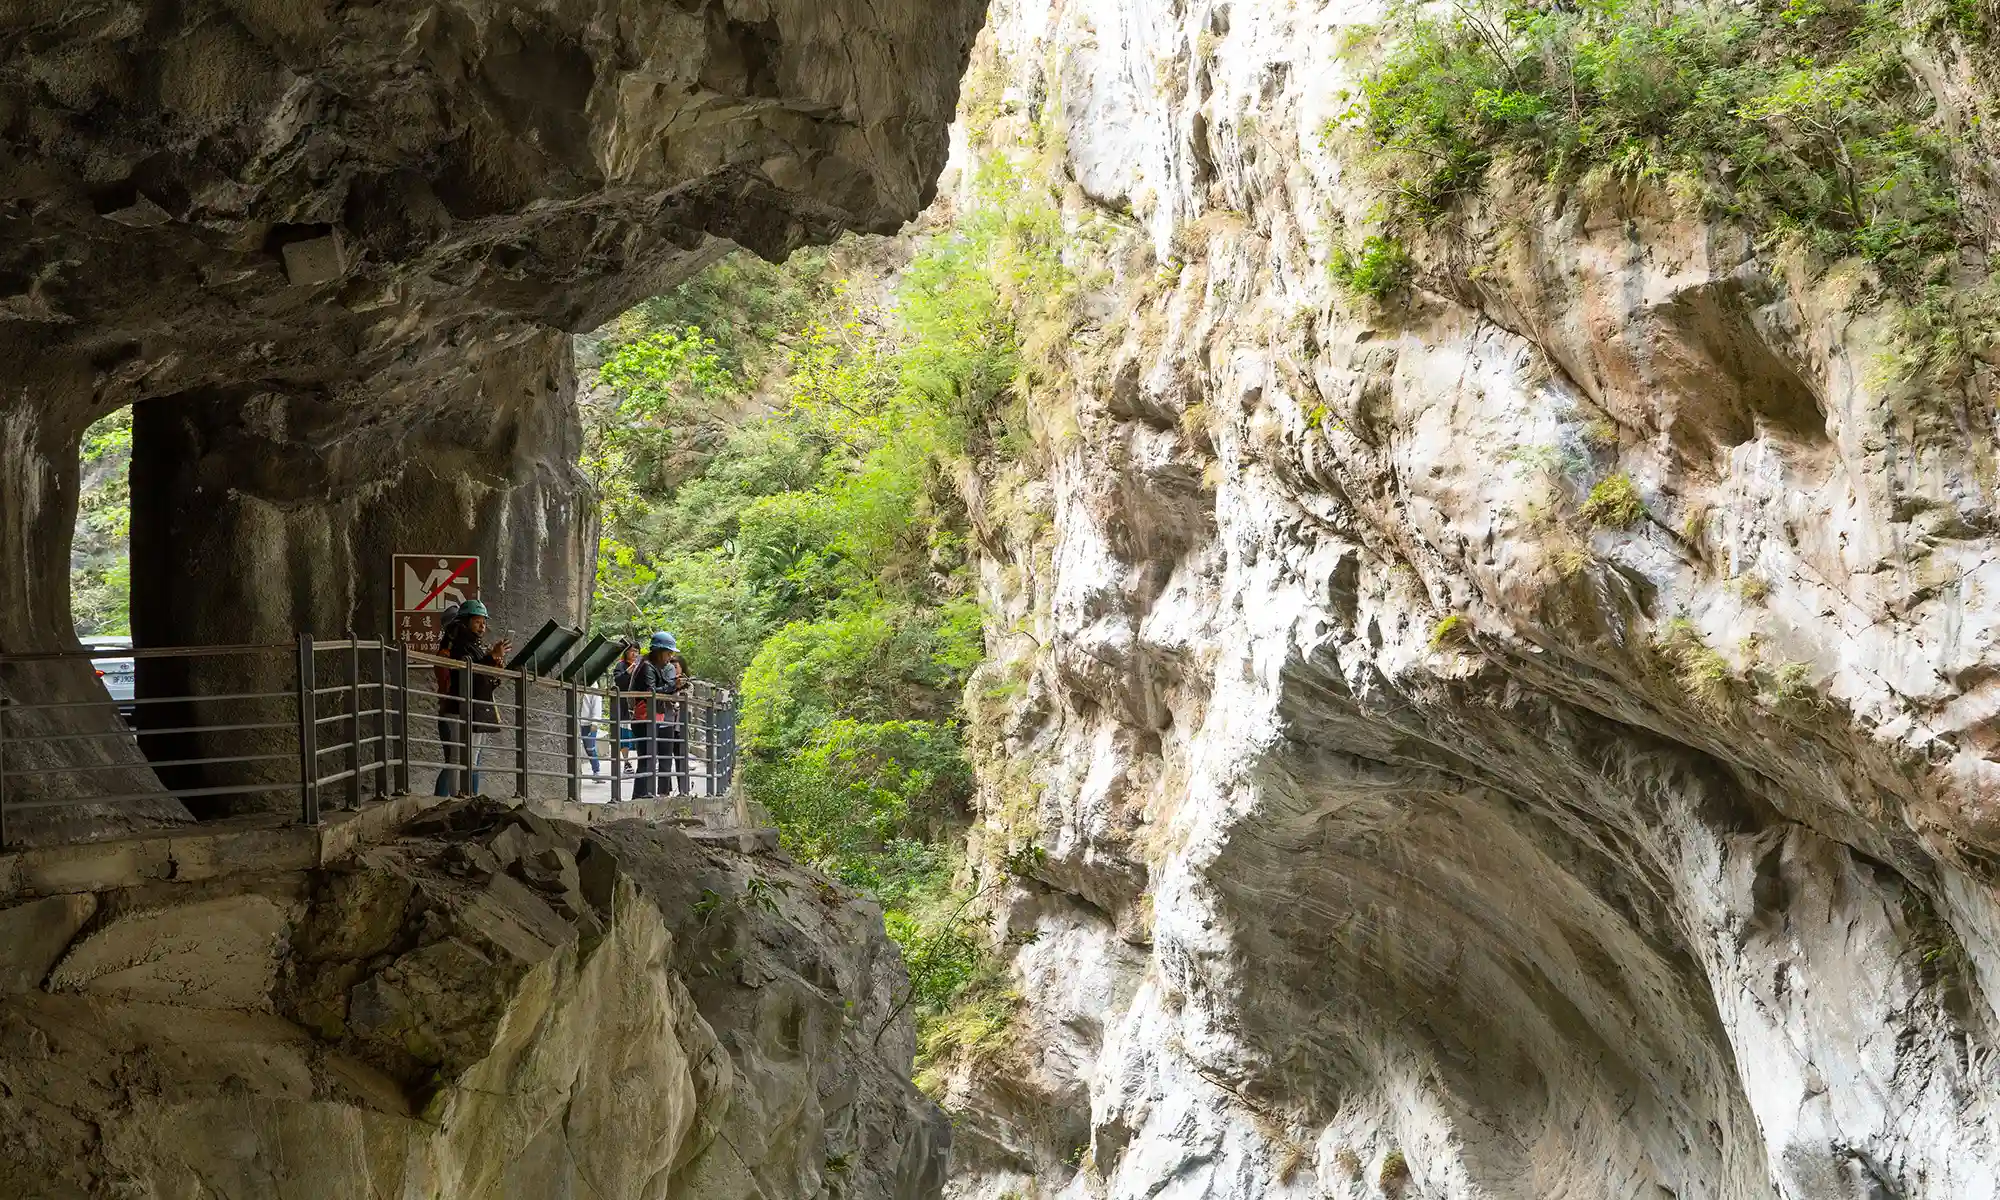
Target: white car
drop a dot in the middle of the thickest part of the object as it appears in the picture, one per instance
(116, 673)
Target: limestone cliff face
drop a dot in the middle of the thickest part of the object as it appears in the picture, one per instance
(1407, 833)
(490, 1005)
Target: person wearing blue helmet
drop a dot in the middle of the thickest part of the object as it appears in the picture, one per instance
(662, 732)
(459, 732)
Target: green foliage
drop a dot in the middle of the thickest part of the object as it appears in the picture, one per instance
(809, 545)
(747, 307)
(1943, 335)
(1752, 587)
(1799, 118)
(1702, 672)
(1379, 269)
(1451, 633)
(667, 391)
(1320, 417)
(1395, 1170)
(975, 1027)
(109, 437)
(1614, 502)
(1787, 690)
(987, 306)
(865, 801)
(864, 663)
(100, 566)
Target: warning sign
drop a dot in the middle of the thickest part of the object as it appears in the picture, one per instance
(427, 586)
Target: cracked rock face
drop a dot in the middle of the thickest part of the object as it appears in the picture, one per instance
(331, 250)
(1408, 835)
(491, 1005)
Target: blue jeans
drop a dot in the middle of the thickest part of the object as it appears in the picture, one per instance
(451, 732)
(590, 746)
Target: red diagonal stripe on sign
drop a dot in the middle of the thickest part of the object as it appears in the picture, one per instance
(439, 589)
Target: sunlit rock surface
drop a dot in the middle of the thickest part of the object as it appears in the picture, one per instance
(489, 1005)
(1407, 834)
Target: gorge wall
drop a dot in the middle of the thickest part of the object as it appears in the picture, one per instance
(1408, 831)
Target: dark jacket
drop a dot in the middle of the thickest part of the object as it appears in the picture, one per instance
(661, 680)
(459, 642)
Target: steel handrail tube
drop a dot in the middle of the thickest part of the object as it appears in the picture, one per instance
(52, 705)
(139, 733)
(521, 735)
(40, 656)
(403, 716)
(68, 768)
(247, 789)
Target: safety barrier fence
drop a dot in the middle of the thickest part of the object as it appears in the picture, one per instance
(337, 722)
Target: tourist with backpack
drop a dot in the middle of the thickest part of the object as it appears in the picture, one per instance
(460, 732)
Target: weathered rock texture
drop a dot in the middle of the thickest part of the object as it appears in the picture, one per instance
(332, 243)
(492, 1005)
(1406, 834)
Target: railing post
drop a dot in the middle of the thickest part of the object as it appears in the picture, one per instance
(715, 744)
(746, 838)
(381, 720)
(709, 741)
(308, 735)
(466, 756)
(353, 722)
(575, 728)
(729, 740)
(684, 754)
(521, 734)
(403, 718)
(612, 723)
(696, 751)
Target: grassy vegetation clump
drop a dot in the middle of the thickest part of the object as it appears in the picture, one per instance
(1378, 270)
(974, 1028)
(1752, 587)
(1451, 633)
(1702, 672)
(1615, 503)
(1395, 1171)
(1798, 117)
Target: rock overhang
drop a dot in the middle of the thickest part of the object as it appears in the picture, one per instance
(318, 193)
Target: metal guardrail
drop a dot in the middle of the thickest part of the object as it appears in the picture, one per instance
(354, 721)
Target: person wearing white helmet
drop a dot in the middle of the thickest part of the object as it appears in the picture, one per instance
(662, 676)
(464, 639)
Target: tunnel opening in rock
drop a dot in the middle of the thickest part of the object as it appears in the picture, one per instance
(100, 574)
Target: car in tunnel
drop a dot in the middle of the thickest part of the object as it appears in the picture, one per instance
(115, 672)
